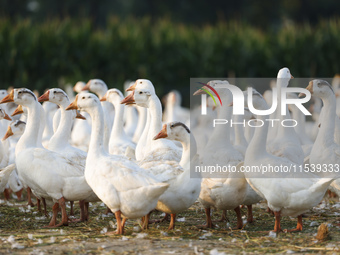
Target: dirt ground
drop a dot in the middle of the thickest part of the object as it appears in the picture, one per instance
(22, 232)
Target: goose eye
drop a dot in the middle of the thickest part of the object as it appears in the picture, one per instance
(140, 92)
(54, 92)
(172, 126)
(19, 92)
(83, 98)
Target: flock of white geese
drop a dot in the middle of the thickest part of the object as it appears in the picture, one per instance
(104, 147)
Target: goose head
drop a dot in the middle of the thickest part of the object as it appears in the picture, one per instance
(114, 96)
(3, 115)
(284, 76)
(97, 86)
(142, 84)
(22, 96)
(79, 86)
(15, 128)
(320, 88)
(258, 101)
(56, 96)
(142, 92)
(176, 131)
(84, 102)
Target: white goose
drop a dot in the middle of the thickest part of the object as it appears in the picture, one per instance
(286, 143)
(14, 131)
(60, 140)
(47, 173)
(188, 189)
(285, 194)
(144, 95)
(325, 151)
(119, 140)
(121, 184)
(227, 191)
(100, 88)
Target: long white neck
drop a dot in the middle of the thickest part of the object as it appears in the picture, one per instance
(284, 131)
(257, 146)
(96, 146)
(189, 150)
(239, 131)
(325, 135)
(62, 136)
(221, 133)
(155, 109)
(29, 139)
(142, 113)
(118, 123)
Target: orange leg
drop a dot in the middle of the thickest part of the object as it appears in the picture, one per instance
(145, 221)
(277, 226)
(86, 208)
(64, 218)
(29, 197)
(71, 210)
(120, 229)
(19, 193)
(123, 224)
(250, 218)
(45, 207)
(6, 194)
(53, 221)
(38, 205)
(239, 218)
(172, 221)
(298, 226)
(209, 222)
(82, 210)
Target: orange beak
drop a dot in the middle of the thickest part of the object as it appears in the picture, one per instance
(79, 116)
(130, 99)
(6, 116)
(132, 87)
(162, 134)
(44, 97)
(73, 105)
(103, 98)
(309, 88)
(8, 133)
(291, 76)
(87, 86)
(18, 110)
(8, 98)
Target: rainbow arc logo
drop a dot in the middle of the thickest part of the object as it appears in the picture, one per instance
(209, 93)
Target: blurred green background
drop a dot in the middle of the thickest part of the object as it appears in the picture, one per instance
(46, 44)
